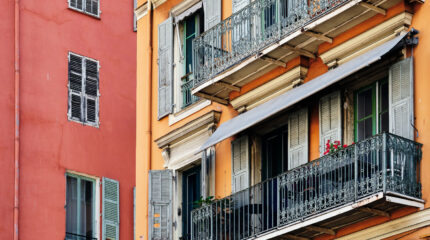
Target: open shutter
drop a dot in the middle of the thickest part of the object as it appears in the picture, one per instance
(110, 213)
(208, 172)
(212, 10)
(298, 138)
(330, 119)
(240, 163)
(75, 87)
(239, 4)
(160, 204)
(91, 90)
(134, 16)
(401, 87)
(92, 7)
(165, 68)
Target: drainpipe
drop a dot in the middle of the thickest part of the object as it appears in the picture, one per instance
(17, 123)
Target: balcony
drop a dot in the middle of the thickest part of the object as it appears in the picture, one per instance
(267, 34)
(375, 176)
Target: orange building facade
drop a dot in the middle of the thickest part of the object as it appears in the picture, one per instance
(67, 128)
(282, 119)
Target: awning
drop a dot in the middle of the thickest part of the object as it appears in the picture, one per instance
(189, 12)
(295, 95)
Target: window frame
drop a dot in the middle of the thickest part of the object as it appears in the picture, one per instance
(84, 97)
(96, 200)
(83, 10)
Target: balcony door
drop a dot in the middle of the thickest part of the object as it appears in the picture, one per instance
(191, 192)
(275, 153)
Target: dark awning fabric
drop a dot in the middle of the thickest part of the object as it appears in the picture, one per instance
(295, 95)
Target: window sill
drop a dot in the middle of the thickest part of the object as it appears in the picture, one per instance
(96, 125)
(193, 108)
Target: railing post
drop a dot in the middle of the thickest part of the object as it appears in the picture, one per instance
(355, 171)
(384, 162)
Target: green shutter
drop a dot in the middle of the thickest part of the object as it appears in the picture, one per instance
(240, 163)
(110, 211)
(165, 68)
(401, 103)
(297, 138)
(330, 119)
(160, 204)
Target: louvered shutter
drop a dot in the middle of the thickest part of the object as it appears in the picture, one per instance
(160, 204)
(298, 138)
(239, 4)
(92, 7)
(401, 103)
(110, 212)
(76, 4)
(208, 160)
(240, 163)
(134, 16)
(330, 119)
(91, 90)
(75, 87)
(212, 10)
(165, 68)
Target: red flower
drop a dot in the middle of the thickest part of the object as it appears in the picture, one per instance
(345, 146)
(335, 146)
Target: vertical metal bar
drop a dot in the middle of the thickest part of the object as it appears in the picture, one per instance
(355, 170)
(384, 162)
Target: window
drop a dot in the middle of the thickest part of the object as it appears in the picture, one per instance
(371, 110)
(190, 194)
(80, 208)
(83, 90)
(192, 27)
(90, 7)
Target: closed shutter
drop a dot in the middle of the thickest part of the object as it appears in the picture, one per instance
(92, 7)
(212, 12)
(160, 204)
(134, 16)
(75, 87)
(297, 138)
(208, 177)
(330, 119)
(91, 90)
(401, 99)
(76, 4)
(240, 163)
(239, 4)
(110, 213)
(165, 68)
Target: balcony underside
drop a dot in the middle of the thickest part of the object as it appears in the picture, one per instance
(302, 42)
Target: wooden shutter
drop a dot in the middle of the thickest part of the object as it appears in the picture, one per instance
(208, 172)
(91, 90)
(92, 7)
(110, 221)
(165, 68)
(240, 163)
(76, 4)
(160, 204)
(298, 138)
(134, 16)
(239, 4)
(401, 103)
(75, 87)
(330, 119)
(212, 12)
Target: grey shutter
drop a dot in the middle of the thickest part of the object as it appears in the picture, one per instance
(75, 87)
(212, 12)
(298, 138)
(165, 67)
(240, 163)
(239, 4)
(91, 90)
(92, 7)
(208, 167)
(76, 4)
(134, 16)
(401, 99)
(330, 119)
(110, 221)
(160, 204)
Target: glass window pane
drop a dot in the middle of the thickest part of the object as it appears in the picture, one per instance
(189, 54)
(364, 103)
(383, 95)
(364, 129)
(384, 122)
(190, 26)
(87, 208)
(71, 205)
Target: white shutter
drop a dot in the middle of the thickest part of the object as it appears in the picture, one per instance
(330, 119)
(239, 4)
(401, 99)
(212, 12)
(298, 138)
(110, 213)
(240, 164)
(165, 67)
(160, 204)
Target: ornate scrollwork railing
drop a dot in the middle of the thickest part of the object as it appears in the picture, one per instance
(385, 163)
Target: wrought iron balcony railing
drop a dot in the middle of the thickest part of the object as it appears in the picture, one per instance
(384, 163)
(187, 97)
(252, 29)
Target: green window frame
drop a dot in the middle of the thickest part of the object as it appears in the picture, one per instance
(77, 234)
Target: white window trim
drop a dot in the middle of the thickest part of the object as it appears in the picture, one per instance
(96, 124)
(83, 7)
(97, 212)
(188, 111)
